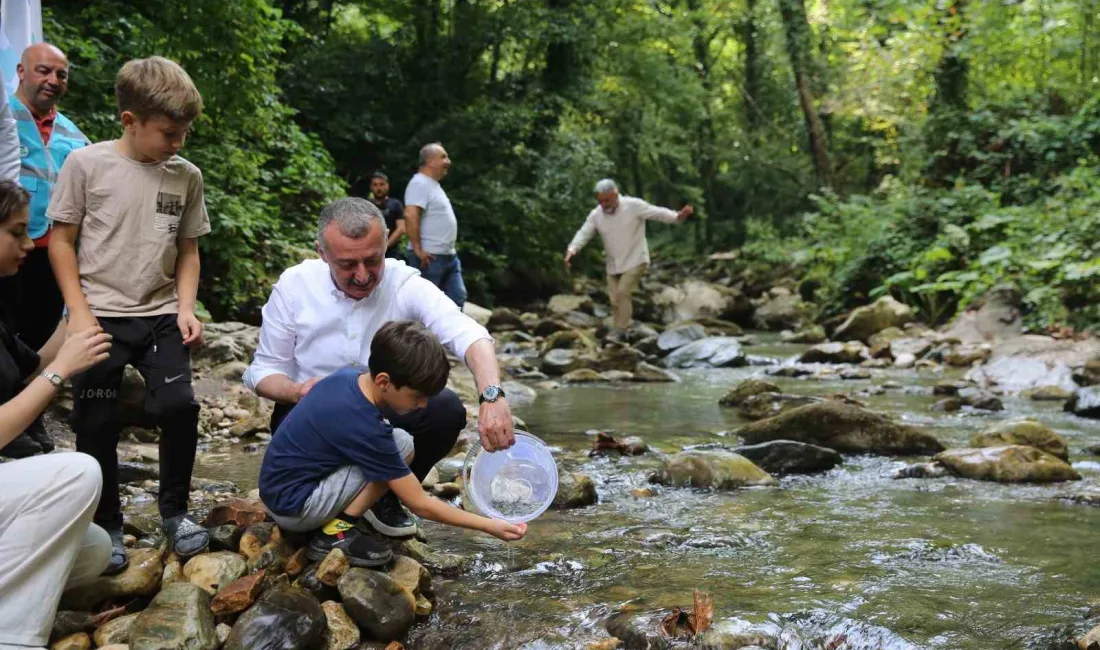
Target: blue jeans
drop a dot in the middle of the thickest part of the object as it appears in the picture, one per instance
(445, 272)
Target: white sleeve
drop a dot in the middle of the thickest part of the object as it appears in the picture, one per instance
(275, 352)
(422, 301)
(10, 160)
(584, 234)
(416, 193)
(649, 211)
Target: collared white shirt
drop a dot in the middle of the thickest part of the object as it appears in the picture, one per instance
(622, 231)
(312, 329)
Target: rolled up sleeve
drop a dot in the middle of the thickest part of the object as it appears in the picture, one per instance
(423, 301)
(275, 352)
(656, 213)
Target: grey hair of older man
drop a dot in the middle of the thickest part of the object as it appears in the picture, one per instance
(353, 216)
(606, 185)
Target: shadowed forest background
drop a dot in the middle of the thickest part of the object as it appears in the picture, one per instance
(928, 148)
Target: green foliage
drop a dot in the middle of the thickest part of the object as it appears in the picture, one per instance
(265, 178)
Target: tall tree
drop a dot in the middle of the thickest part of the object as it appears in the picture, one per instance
(799, 49)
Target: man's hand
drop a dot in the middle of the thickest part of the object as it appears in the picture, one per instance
(80, 321)
(494, 423)
(190, 328)
(424, 256)
(306, 386)
(569, 257)
(685, 212)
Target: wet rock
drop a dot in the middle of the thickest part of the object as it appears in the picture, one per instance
(251, 426)
(582, 376)
(446, 491)
(115, 631)
(446, 564)
(78, 641)
(1023, 432)
(766, 405)
(575, 490)
(967, 354)
(214, 570)
(226, 537)
(131, 472)
(273, 556)
(1091, 640)
(678, 336)
(450, 468)
(343, 633)
(568, 340)
(921, 470)
(255, 537)
(297, 562)
(1086, 498)
(565, 303)
(178, 618)
(948, 405)
(617, 357)
(866, 321)
(637, 631)
(504, 319)
(1089, 375)
(1093, 450)
(1085, 402)
(789, 371)
(783, 312)
(560, 362)
(914, 346)
(1008, 464)
(691, 300)
(66, 623)
(284, 618)
(947, 387)
(238, 595)
(548, 326)
(1048, 394)
(850, 352)
(812, 334)
(377, 603)
(308, 580)
(141, 578)
(904, 361)
(1032, 361)
(854, 374)
(782, 457)
(173, 572)
(634, 446)
(721, 470)
(643, 493)
(843, 427)
(713, 352)
(646, 372)
(746, 389)
(333, 567)
(242, 512)
(410, 575)
(981, 401)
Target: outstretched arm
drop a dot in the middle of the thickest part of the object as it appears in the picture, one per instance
(583, 236)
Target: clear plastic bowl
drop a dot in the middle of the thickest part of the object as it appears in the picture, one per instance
(516, 484)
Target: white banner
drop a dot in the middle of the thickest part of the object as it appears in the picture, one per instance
(20, 26)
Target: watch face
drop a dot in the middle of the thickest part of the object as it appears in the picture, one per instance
(491, 393)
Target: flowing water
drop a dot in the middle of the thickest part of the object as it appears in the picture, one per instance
(940, 563)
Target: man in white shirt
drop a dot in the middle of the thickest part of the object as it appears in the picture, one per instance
(620, 220)
(322, 315)
(431, 224)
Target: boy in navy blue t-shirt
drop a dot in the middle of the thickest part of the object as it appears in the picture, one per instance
(335, 454)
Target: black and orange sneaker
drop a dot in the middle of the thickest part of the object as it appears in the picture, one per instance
(361, 548)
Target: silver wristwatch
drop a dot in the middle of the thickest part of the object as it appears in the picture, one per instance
(54, 378)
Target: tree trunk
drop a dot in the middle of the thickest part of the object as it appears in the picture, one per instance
(797, 30)
(947, 111)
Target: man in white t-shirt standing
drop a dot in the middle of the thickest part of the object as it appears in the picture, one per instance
(620, 220)
(431, 225)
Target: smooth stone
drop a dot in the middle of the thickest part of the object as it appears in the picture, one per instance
(446, 564)
(284, 618)
(1091, 640)
(78, 641)
(1008, 464)
(835, 352)
(141, 578)
(1048, 394)
(782, 312)
(565, 303)
(115, 631)
(678, 336)
(377, 604)
(864, 322)
(647, 372)
(712, 352)
(746, 389)
(782, 457)
(575, 490)
(843, 427)
(238, 595)
(212, 571)
(811, 334)
(333, 567)
(582, 376)
(242, 512)
(1023, 432)
(223, 630)
(721, 470)
(411, 575)
(131, 472)
(766, 405)
(226, 537)
(343, 633)
(178, 618)
(1085, 402)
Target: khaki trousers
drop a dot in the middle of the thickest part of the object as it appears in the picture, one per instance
(619, 288)
(48, 542)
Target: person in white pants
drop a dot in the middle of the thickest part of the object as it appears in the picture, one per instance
(47, 540)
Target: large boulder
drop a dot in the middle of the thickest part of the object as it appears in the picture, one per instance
(1008, 464)
(843, 427)
(766, 405)
(836, 352)
(618, 357)
(690, 300)
(868, 320)
(560, 362)
(1023, 432)
(713, 352)
(377, 604)
(477, 312)
(783, 312)
(647, 372)
(680, 335)
(178, 618)
(284, 618)
(565, 303)
(782, 457)
(746, 389)
(211, 571)
(1032, 361)
(575, 490)
(1085, 402)
(718, 469)
(997, 317)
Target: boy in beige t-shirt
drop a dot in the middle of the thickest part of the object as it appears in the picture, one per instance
(128, 214)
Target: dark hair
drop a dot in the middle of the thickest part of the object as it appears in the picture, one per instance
(411, 355)
(380, 174)
(13, 198)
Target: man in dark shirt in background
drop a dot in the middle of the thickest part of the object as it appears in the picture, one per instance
(392, 211)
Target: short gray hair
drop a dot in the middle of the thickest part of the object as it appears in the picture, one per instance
(427, 150)
(353, 216)
(606, 185)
